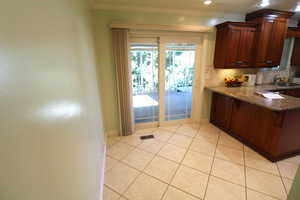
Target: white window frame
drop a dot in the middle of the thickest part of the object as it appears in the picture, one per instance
(162, 38)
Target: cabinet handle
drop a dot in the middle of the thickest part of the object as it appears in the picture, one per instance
(239, 62)
(269, 61)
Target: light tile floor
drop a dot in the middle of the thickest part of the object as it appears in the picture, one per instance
(192, 162)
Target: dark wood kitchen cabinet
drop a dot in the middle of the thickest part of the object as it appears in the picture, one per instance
(274, 134)
(295, 60)
(234, 45)
(221, 110)
(270, 36)
(292, 92)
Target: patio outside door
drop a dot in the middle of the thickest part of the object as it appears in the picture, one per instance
(162, 79)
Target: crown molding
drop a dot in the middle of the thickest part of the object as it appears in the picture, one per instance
(187, 12)
(155, 27)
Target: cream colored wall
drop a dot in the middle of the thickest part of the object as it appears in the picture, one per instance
(51, 134)
(105, 66)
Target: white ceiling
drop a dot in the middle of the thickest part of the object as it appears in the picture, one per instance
(193, 7)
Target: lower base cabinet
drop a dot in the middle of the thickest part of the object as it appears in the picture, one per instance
(274, 134)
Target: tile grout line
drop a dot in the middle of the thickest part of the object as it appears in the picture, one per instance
(172, 178)
(211, 168)
(141, 172)
(265, 194)
(168, 185)
(181, 164)
(281, 178)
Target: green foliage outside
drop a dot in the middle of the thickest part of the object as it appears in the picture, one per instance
(179, 70)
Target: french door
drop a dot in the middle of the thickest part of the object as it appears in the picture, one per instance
(163, 72)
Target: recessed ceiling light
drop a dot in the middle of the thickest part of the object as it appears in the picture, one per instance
(207, 2)
(264, 3)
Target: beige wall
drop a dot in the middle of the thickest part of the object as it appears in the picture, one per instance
(51, 135)
(105, 66)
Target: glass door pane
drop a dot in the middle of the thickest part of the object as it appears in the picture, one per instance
(179, 73)
(144, 65)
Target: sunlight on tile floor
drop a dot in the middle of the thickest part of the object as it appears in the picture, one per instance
(192, 162)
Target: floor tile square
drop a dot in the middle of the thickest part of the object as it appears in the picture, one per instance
(180, 140)
(191, 125)
(110, 141)
(172, 152)
(119, 150)
(145, 131)
(108, 194)
(230, 154)
(170, 128)
(120, 177)
(229, 141)
(187, 131)
(295, 160)
(110, 163)
(253, 195)
(162, 169)
(175, 194)
(209, 131)
(229, 171)
(190, 181)
(151, 145)
(205, 146)
(265, 183)
(133, 140)
(138, 159)
(163, 135)
(146, 187)
(287, 170)
(254, 160)
(219, 189)
(198, 161)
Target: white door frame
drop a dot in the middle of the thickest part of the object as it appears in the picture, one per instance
(162, 39)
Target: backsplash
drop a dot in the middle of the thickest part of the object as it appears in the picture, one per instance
(269, 75)
(215, 77)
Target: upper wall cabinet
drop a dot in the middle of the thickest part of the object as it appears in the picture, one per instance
(234, 45)
(270, 36)
(256, 43)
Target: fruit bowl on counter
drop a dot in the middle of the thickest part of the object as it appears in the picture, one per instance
(236, 81)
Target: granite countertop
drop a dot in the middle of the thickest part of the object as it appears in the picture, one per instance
(248, 94)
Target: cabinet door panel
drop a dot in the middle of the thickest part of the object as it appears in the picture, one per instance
(262, 43)
(245, 47)
(242, 120)
(233, 47)
(276, 43)
(221, 110)
(255, 124)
